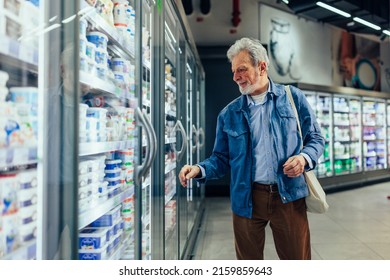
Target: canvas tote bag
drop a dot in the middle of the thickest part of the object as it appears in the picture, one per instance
(316, 200)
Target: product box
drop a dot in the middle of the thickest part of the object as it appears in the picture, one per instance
(93, 238)
(98, 254)
(107, 219)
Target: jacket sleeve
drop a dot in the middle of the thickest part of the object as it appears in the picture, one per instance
(313, 141)
(217, 165)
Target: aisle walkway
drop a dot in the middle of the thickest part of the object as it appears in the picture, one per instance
(357, 227)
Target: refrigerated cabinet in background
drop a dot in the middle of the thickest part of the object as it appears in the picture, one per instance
(355, 125)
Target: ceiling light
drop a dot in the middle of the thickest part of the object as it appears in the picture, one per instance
(333, 9)
(285, 1)
(366, 23)
(387, 32)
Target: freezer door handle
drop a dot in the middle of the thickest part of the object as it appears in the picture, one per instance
(194, 137)
(180, 154)
(201, 133)
(153, 143)
(139, 169)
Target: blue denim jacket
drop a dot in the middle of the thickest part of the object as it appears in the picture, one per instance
(233, 149)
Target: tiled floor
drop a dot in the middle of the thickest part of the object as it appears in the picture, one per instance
(356, 227)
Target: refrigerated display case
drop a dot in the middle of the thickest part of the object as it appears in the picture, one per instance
(374, 134)
(353, 123)
(388, 131)
(20, 131)
(347, 135)
(321, 103)
(99, 176)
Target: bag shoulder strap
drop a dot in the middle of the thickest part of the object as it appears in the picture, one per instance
(290, 97)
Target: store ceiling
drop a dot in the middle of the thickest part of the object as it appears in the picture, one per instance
(374, 11)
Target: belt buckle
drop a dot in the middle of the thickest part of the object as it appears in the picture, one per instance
(273, 188)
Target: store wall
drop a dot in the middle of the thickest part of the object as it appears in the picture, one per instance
(385, 66)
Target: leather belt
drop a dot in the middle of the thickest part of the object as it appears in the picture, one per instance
(272, 188)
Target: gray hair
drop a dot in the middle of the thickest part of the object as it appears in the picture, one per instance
(253, 46)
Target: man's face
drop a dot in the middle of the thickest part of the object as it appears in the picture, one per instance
(248, 77)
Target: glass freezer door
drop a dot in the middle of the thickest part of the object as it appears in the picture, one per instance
(21, 126)
(321, 105)
(347, 135)
(374, 134)
(107, 130)
(171, 128)
(192, 128)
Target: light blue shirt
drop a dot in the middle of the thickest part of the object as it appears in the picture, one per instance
(264, 162)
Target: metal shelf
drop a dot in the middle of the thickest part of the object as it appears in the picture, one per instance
(94, 83)
(92, 148)
(17, 55)
(14, 157)
(91, 215)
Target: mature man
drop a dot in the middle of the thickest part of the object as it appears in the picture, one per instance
(258, 139)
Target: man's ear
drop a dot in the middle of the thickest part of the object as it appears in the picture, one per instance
(262, 67)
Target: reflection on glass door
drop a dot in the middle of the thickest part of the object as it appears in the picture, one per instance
(192, 135)
(171, 126)
(147, 109)
(20, 130)
(107, 132)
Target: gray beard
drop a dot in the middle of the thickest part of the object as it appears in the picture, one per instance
(248, 90)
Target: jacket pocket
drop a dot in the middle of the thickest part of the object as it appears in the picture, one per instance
(238, 140)
(288, 133)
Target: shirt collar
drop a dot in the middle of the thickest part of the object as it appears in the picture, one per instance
(250, 100)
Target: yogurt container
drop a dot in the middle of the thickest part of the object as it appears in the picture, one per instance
(27, 214)
(90, 50)
(120, 65)
(98, 38)
(27, 197)
(28, 232)
(27, 179)
(113, 182)
(120, 13)
(98, 113)
(114, 173)
(83, 46)
(101, 57)
(113, 164)
(83, 28)
(24, 95)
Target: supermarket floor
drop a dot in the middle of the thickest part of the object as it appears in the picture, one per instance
(356, 227)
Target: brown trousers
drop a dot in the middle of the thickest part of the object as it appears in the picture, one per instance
(289, 224)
